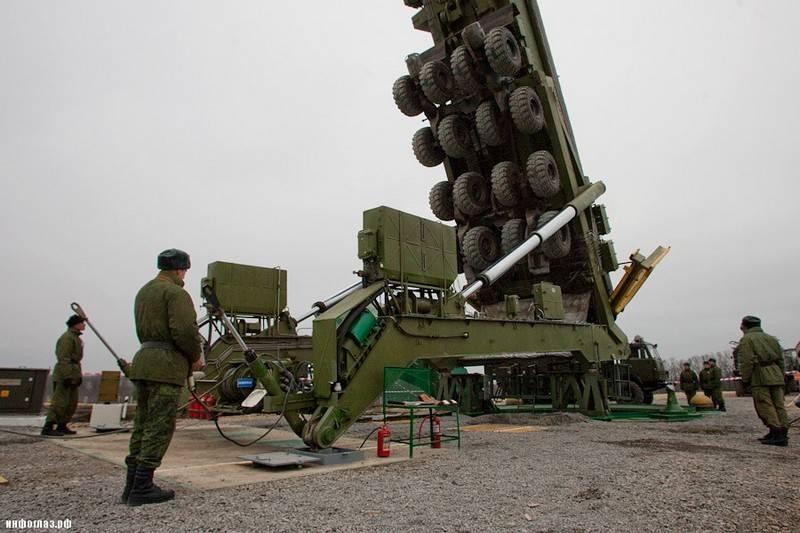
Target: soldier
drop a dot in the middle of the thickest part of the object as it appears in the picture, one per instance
(166, 324)
(67, 378)
(761, 365)
(705, 381)
(716, 385)
(689, 382)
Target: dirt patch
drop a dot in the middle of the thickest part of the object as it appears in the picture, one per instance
(671, 446)
(721, 430)
(529, 419)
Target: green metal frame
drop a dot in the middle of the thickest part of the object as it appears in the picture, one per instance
(423, 378)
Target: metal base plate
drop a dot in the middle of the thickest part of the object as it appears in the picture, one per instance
(279, 459)
(333, 456)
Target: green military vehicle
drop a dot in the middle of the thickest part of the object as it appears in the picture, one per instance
(647, 371)
(517, 221)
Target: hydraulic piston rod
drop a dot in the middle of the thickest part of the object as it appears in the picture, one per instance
(321, 306)
(505, 263)
(255, 364)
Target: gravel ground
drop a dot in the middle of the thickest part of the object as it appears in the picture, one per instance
(708, 474)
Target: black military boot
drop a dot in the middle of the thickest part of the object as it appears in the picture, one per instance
(722, 407)
(65, 430)
(779, 438)
(144, 491)
(769, 435)
(48, 431)
(128, 483)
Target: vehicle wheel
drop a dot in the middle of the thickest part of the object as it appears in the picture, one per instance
(542, 174)
(513, 234)
(441, 200)
(648, 397)
(455, 136)
(465, 71)
(526, 110)
(406, 96)
(558, 245)
(480, 247)
(471, 194)
(635, 393)
(502, 51)
(436, 82)
(427, 152)
(490, 124)
(506, 179)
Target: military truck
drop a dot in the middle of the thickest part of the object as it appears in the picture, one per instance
(646, 370)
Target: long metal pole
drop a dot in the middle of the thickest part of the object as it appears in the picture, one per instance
(79, 311)
(505, 263)
(336, 298)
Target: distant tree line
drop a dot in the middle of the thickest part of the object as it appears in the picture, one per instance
(724, 360)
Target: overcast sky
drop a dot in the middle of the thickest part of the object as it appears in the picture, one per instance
(258, 131)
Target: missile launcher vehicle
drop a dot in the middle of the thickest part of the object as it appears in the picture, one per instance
(538, 309)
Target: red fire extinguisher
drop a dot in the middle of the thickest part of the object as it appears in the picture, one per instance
(436, 432)
(383, 441)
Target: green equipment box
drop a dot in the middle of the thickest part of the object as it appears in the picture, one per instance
(244, 289)
(547, 298)
(409, 248)
(22, 390)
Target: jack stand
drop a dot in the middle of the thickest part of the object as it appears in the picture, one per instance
(674, 412)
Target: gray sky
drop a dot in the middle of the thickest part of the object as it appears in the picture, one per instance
(256, 132)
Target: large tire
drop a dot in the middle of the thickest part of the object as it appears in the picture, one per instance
(465, 71)
(490, 124)
(455, 136)
(427, 152)
(542, 173)
(635, 393)
(526, 110)
(436, 82)
(406, 96)
(441, 200)
(480, 247)
(471, 194)
(558, 245)
(503, 52)
(506, 180)
(513, 234)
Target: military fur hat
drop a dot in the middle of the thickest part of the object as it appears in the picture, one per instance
(751, 321)
(173, 259)
(74, 320)
(712, 360)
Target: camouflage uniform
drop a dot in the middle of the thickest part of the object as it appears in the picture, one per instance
(705, 383)
(66, 378)
(716, 387)
(166, 324)
(689, 383)
(761, 365)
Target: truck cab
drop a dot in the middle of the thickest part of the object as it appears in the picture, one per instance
(647, 368)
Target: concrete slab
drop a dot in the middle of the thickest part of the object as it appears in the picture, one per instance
(200, 458)
(21, 421)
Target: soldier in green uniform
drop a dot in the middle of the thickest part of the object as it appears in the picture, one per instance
(705, 381)
(761, 365)
(67, 378)
(166, 324)
(716, 385)
(689, 382)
